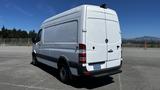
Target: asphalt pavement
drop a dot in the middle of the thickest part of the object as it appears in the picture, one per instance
(141, 71)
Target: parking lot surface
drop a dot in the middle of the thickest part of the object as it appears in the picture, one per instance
(141, 71)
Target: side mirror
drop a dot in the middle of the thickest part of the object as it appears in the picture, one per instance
(34, 39)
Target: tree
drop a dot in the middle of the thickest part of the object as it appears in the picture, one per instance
(14, 33)
(0, 34)
(4, 32)
(3, 28)
(32, 34)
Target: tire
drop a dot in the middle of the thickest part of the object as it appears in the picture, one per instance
(64, 74)
(34, 60)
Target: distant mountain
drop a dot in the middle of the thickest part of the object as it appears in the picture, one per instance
(142, 39)
(146, 38)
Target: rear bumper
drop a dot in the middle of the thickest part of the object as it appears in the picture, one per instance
(109, 71)
(103, 72)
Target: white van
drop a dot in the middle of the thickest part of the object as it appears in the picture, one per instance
(85, 40)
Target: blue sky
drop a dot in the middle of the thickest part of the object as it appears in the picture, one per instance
(137, 17)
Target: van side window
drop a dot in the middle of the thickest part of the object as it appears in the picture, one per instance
(63, 32)
(39, 35)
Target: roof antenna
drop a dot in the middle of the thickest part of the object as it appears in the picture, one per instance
(103, 6)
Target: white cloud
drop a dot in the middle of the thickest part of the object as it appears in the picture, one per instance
(22, 10)
(49, 9)
(11, 5)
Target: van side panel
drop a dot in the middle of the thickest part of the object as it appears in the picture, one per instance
(61, 39)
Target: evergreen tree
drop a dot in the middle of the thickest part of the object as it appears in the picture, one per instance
(32, 34)
(14, 33)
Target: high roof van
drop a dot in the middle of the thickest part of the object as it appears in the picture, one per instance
(83, 41)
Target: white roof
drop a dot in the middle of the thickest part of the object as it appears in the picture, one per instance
(79, 8)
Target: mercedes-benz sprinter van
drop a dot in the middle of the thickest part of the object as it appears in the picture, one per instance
(83, 41)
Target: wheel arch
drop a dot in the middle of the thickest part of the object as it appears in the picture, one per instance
(62, 61)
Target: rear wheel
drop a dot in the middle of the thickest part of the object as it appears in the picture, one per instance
(64, 74)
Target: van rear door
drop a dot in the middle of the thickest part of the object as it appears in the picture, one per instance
(103, 40)
(96, 47)
(95, 40)
(114, 41)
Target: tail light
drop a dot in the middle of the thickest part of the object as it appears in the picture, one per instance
(82, 53)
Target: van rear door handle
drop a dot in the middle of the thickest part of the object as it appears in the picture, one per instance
(118, 47)
(106, 40)
(110, 51)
